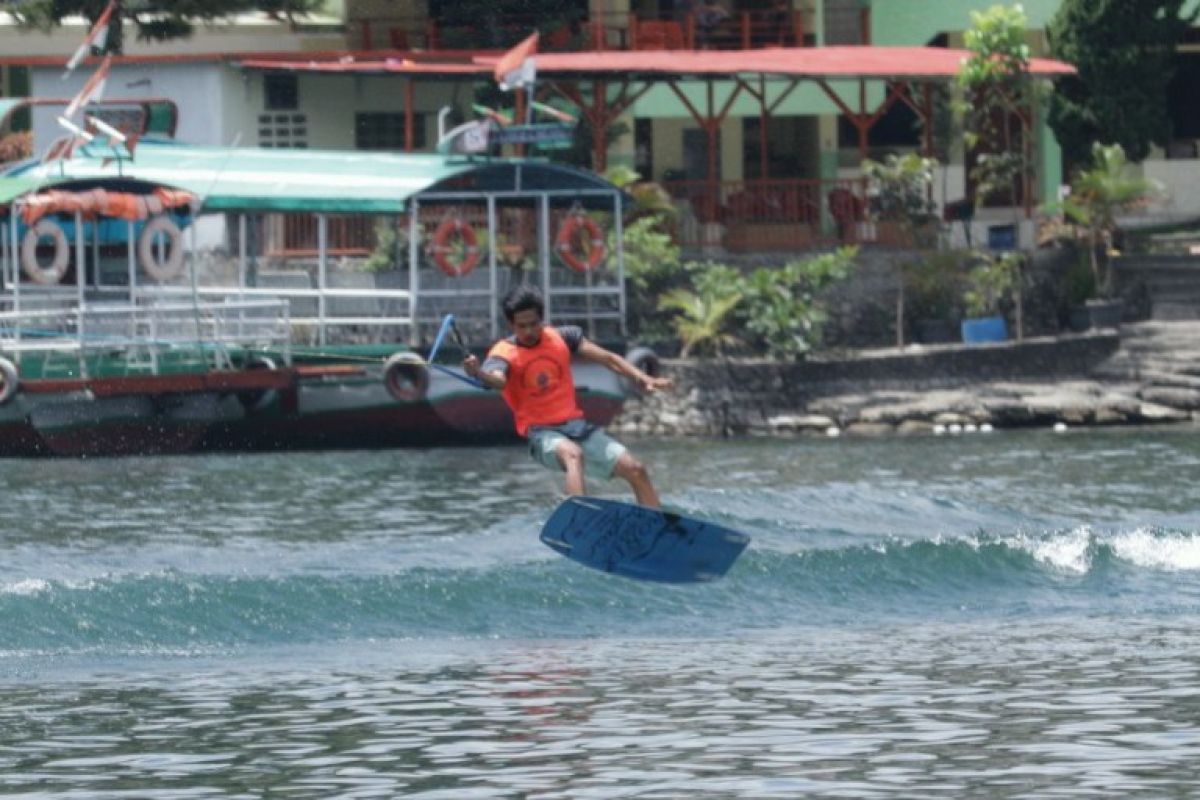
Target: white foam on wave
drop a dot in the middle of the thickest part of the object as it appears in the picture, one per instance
(1174, 552)
(28, 586)
(1070, 551)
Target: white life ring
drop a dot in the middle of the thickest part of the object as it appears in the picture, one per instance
(62, 252)
(406, 377)
(9, 381)
(171, 264)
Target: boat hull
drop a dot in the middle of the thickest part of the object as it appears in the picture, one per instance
(217, 413)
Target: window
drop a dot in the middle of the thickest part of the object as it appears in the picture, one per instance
(127, 120)
(643, 154)
(384, 130)
(283, 130)
(281, 92)
(1181, 104)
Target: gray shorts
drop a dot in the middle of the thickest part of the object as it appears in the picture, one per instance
(600, 451)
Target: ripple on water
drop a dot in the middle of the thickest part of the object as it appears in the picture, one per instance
(1009, 617)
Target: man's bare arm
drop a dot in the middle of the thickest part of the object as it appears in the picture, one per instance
(589, 351)
(489, 378)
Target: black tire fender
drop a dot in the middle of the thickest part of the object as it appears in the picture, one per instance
(10, 381)
(258, 399)
(644, 359)
(406, 377)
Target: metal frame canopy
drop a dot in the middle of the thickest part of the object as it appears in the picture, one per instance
(242, 182)
(319, 181)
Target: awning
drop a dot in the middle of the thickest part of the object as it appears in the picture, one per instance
(252, 179)
(12, 188)
(794, 62)
(159, 114)
(840, 62)
(319, 181)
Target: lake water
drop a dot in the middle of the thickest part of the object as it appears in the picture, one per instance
(1002, 615)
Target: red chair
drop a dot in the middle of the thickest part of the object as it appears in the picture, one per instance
(653, 34)
(649, 35)
(846, 209)
(675, 38)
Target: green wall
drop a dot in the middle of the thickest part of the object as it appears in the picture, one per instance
(806, 99)
(915, 22)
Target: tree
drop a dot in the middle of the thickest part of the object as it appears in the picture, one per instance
(155, 20)
(1124, 51)
(997, 80)
(901, 186)
(996, 77)
(1098, 195)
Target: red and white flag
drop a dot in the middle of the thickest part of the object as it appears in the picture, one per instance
(92, 90)
(95, 39)
(516, 68)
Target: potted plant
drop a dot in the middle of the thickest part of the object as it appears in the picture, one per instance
(934, 286)
(903, 211)
(990, 284)
(1098, 195)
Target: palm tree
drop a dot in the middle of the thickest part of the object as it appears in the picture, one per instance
(702, 317)
(1098, 195)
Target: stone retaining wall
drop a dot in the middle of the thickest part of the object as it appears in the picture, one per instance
(1034, 382)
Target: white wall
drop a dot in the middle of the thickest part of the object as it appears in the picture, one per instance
(1181, 179)
(196, 88)
(245, 34)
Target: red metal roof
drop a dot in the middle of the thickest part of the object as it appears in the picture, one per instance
(402, 66)
(801, 62)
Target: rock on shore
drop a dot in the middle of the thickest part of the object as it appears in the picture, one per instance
(1029, 384)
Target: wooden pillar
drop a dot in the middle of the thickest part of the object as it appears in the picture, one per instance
(409, 116)
(762, 127)
(927, 128)
(519, 112)
(599, 121)
(712, 126)
(864, 130)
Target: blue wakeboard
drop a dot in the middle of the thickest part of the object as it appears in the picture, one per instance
(640, 542)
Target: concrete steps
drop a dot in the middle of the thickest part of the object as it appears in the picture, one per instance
(1170, 283)
(1159, 352)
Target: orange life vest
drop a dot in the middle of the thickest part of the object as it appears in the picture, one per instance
(540, 389)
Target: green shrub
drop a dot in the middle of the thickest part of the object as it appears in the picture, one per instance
(991, 283)
(778, 308)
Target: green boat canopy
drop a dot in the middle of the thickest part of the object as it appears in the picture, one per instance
(12, 188)
(319, 181)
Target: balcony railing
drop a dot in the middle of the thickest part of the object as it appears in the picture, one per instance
(737, 29)
(780, 215)
(787, 214)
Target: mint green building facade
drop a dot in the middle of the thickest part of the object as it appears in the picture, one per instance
(807, 136)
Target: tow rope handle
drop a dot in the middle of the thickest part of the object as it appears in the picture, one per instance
(448, 326)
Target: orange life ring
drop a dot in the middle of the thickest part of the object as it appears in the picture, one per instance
(564, 243)
(443, 249)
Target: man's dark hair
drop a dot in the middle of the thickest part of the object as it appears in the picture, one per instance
(522, 298)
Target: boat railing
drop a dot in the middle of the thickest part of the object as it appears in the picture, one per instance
(318, 305)
(146, 336)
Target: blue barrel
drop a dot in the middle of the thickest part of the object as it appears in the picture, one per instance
(983, 330)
